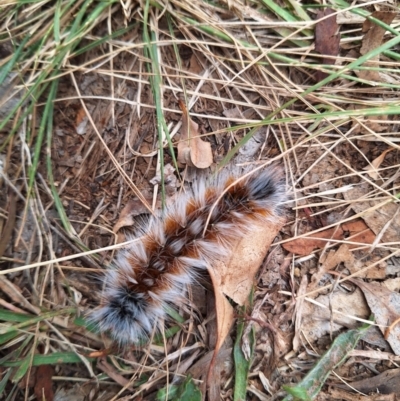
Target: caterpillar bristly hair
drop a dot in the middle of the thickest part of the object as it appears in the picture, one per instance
(175, 245)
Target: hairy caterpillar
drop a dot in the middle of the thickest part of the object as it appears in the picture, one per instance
(197, 228)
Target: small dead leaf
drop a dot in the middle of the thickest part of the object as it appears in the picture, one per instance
(195, 66)
(126, 217)
(372, 169)
(225, 314)
(358, 231)
(192, 150)
(383, 220)
(238, 272)
(44, 383)
(233, 113)
(305, 245)
(327, 39)
(299, 312)
(372, 39)
(334, 258)
(385, 306)
(133, 208)
(15, 293)
(170, 180)
(318, 321)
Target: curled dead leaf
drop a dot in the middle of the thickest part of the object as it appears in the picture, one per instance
(372, 169)
(372, 39)
(192, 150)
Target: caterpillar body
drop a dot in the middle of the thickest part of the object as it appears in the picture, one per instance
(197, 228)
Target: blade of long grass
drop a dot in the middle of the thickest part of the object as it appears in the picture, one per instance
(55, 358)
(6, 69)
(286, 15)
(151, 52)
(312, 383)
(242, 365)
(36, 319)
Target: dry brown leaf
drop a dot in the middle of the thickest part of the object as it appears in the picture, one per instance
(170, 180)
(357, 229)
(126, 217)
(385, 306)
(299, 312)
(384, 220)
(369, 123)
(234, 277)
(192, 150)
(195, 66)
(305, 245)
(44, 383)
(318, 321)
(358, 232)
(334, 258)
(372, 39)
(372, 169)
(237, 273)
(15, 293)
(327, 39)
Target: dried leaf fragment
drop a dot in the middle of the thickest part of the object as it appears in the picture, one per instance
(372, 39)
(305, 245)
(44, 383)
(385, 305)
(382, 219)
(327, 39)
(357, 230)
(372, 169)
(192, 150)
(234, 277)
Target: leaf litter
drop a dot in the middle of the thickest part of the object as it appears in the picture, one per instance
(216, 73)
(327, 38)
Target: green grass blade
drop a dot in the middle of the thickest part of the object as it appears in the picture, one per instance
(6, 69)
(150, 51)
(35, 319)
(55, 358)
(297, 7)
(40, 136)
(23, 367)
(242, 365)
(312, 383)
